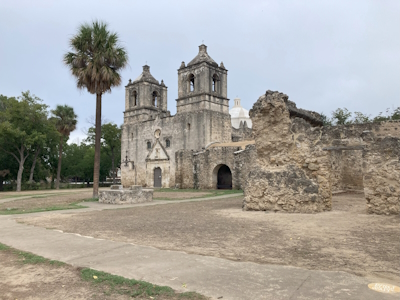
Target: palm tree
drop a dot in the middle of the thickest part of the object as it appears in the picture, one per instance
(65, 122)
(96, 61)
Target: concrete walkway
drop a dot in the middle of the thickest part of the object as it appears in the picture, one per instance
(210, 276)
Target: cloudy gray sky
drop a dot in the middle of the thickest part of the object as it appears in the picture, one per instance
(323, 54)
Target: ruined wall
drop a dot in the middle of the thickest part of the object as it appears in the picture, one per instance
(346, 165)
(243, 133)
(292, 172)
(381, 169)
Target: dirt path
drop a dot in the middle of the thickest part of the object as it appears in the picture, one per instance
(345, 239)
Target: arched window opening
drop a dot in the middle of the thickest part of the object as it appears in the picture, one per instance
(148, 145)
(134, 96)
(191, 82)
(167, 143)
(215, 80)
(156, 100)
(188, 126)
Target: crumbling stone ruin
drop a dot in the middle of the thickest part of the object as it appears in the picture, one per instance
(300, 162)
(292, 169)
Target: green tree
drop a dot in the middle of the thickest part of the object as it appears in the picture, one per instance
(341, 116)
(325, 120)
(393, 114)
(65, 122)
(21, 128)
(111, 143)
(361, 118)
(96, 61)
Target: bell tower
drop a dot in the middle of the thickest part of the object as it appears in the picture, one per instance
(202, 105)
(202, 84)
(145, 97)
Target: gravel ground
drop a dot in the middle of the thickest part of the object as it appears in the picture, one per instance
(345, 239)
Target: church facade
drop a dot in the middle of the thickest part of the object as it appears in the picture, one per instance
(151, 136)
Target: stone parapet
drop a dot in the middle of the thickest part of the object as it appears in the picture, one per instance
(118, 195)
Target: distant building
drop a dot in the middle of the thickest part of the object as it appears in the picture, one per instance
(239, 114)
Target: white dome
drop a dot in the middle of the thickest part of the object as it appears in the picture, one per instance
(239, 114)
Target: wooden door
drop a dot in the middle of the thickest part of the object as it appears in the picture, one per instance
(157, 177)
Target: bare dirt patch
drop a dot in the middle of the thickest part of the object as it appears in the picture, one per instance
(345, 239)
(47, 280)
(178, 195)
(25, 281)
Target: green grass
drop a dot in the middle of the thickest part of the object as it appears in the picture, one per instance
(211, 193)
(29, 258)
(17, 211)
(132, 287)
(90, 200)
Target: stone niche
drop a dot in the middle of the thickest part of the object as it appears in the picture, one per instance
(119, 195)
(292, 170)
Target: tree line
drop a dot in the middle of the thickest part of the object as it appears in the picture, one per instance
(342, 116)
(34, 148)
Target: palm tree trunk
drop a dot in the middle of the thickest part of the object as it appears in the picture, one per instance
(33, 165)
(96, 173)
(59, 163)
(112, 164)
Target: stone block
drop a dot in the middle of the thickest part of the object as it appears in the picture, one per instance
(126, 196)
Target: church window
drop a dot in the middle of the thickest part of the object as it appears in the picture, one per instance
(191, 82)
(148, 145)
(133, 100)
(188, 126)
(167, 143)
(215, 80)
(156, 99)
(134, 96)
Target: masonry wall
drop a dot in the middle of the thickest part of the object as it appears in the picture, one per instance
(381, 170)
(199, 169)
(346, 165)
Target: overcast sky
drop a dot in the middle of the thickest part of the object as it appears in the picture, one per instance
(323, 54)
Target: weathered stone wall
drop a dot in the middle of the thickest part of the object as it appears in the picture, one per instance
(199, 169)
(243, 133)
(381, 169)
(118, 195)
(292, 172)
(346, 165)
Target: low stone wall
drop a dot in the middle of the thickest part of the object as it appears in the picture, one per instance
(381, 170)
(118, 195)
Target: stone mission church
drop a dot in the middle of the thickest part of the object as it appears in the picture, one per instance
(151, 137)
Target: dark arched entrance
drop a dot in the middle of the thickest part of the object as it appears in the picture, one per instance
(224, 178)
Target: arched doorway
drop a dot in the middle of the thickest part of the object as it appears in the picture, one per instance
(223, 177)
(157, 177)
